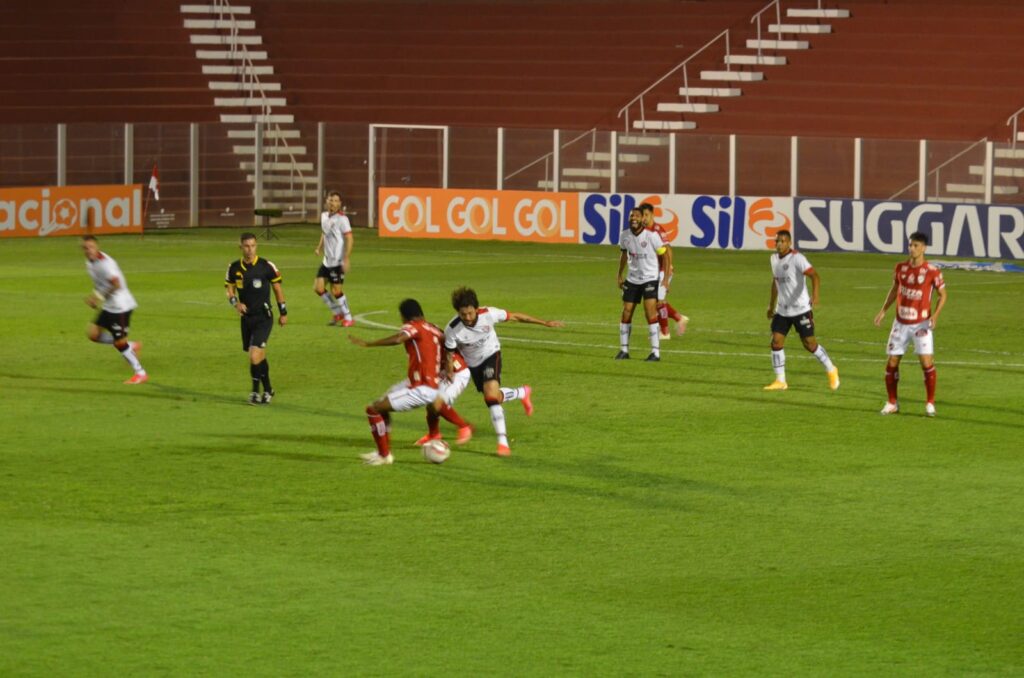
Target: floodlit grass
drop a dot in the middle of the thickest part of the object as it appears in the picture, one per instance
(663, 519)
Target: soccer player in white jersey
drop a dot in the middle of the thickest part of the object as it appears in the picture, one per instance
(472, 334)
(913, 282)
(641, 248)
(790, 305)
(110, 293)
(336, 245)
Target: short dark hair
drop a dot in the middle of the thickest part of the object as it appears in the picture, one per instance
(646, 207)
(246, 236)
(90, 238)
(331, 194)
(464, 296)
(784, 233)
(410, 309)
(919, 237)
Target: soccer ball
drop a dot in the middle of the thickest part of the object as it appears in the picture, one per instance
(436, 451)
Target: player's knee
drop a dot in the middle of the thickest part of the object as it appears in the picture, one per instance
(372, 411)
(810, 344)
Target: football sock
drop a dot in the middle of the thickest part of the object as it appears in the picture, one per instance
(331, 303)
(379, 431)
(105, 338)
(265, 376)
(822, 355)
(892, 380)
(133, 360)
(433, 424)
(929, 383)
(652, 333)
(779, 364)
(624, 329)
(663, 318)
(449, 413)
(254, 372)
(672, 313)
(513, 393)
(343, 306)
(498, 421)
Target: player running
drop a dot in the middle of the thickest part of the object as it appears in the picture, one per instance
(913, 282)
(450, 388)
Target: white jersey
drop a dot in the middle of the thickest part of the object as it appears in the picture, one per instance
(479, 342)
(788, 272)
(642, 251)
(103, 271)
(334, 227)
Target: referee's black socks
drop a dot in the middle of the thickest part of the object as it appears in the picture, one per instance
(264, 373)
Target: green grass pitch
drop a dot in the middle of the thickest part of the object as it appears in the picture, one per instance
(654, 519)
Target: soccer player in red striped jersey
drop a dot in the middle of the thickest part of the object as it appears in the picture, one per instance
(422, 342)
(913, 282)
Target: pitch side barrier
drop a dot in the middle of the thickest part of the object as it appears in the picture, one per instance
(70, 210)
(703, 221)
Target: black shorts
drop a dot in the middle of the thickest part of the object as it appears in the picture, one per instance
(336, 274)
(115, 323)
(256, 330)
(804, 324)
(632, 293)
(489, 369)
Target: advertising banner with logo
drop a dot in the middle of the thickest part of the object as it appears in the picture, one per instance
(70, 210)
(525, 216)
(993, 231)
(704, 221)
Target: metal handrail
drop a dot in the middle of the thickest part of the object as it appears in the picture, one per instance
(1014, 118)
(548, 156)
(251, 77)
(936, 170)
(778, 22)
(686, 80)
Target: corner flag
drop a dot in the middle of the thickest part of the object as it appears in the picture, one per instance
(154, 183)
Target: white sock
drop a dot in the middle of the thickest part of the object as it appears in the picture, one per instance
(498, 421)
(513, 393)
(331, 304)
(779, 364)
(133, 360)
(822, 355)
(624, 329)
(654, 333)
(343, 306)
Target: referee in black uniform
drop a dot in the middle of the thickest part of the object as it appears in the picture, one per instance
(248, 283)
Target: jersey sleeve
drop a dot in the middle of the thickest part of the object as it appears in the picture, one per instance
(937, 281)
(450, 342)
(497, 315)
(344, 224)
(409, 330)
(229, 276)
(275, 274)
(805, 265)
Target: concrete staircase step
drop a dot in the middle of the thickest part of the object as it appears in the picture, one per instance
(979, 170)
(569, 185)
(246, 86)
(210, 9)
(642, 140)
(225, 55)
(799, 28)
(217, 69)
(732, 76)
(664, 124)
(220, 24)
(267, 134)
(762, 60)
(947, 198)
(268, 150)
(281, 179)
(230, 102)
(979, 189)
(777, 44)
(1010, 153)
(592, 172)
(624, 158)
(217, 39)
(271, 166)
(687, 108)
(710, 91)
(253, 118)
(818, 13)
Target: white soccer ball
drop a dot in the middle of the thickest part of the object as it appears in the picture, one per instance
(436, 451)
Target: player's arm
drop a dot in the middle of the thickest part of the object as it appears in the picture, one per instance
(889, 298)
(349, 240)
(393, 340)
(530, 320)
(97, 298)
(282, 308)
(772, 298)
(938, 307)
(815, 285)
(666, 266)
(320, 245)
(622, 267)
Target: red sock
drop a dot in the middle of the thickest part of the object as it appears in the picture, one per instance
(433, 424)
(449, 413)
(892, 380)
(672, 313)
(662, 318)
(929, 383)
(379, 431)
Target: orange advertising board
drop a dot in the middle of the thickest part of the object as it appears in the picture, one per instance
(70, 210)
(469, 214)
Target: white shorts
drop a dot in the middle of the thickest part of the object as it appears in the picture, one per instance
(452, 389)
(662, 290)
(404, 398)
(901, 335)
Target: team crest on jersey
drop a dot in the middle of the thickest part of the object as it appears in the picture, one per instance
(785, 267)
(257, 283)
(920, 278)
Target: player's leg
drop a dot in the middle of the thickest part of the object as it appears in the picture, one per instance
(259, 366)
(810, 343)
(320, 290)
(780, 328)
(493, 398)
(119, 329)
(257, 362)
(379, 417)
(899, 337)
(924, 346)
(662, 308)
(98, 334)
(342, 302)
(626, 322)
(450, 390)
(653, 330)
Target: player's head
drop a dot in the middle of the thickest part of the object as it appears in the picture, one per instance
(91, 247)
(636, 220)
(647, 213)
(919, 237)
(247, 243)
(410, 309)
(917, 245)
(333, 201)
(465, 303)
(783, 241)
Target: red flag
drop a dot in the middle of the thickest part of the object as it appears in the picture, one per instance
(154, 183)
